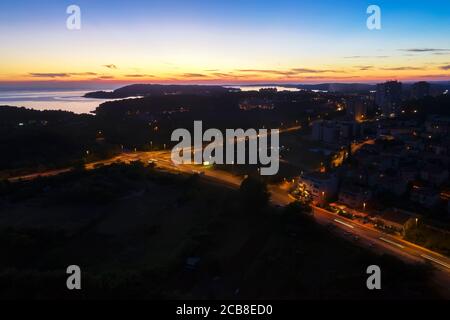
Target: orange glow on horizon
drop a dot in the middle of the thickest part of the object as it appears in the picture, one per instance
(160, 73)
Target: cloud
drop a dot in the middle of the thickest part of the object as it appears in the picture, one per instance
(193, 75)
(364, 68)
(425, 50)
(110, 66)
(447, 67)
(105, 77)
(333, 78)
(233, 75)
(61, 74)
(82, 74)
(305, 70)
(139, 75)
(366, 57)
(50, 75)
(220, 74)
(290, 72)
(272, 73)
(259, 71)
(435, 76)
(402, 68)
(269, 72)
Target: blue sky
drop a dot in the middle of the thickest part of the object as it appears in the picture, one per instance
(169, 40)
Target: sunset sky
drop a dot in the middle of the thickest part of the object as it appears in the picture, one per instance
(234, 41)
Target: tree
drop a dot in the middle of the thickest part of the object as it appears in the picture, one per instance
(254, 193)
(299, 207)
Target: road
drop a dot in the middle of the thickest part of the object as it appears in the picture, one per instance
(383, 243)
(377, 241)
(163, 160)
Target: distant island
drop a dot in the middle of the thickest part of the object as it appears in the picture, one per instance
(144, 90)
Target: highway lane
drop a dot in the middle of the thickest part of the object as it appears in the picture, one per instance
(403, 248)
(382, 243)
(37, 175)
(375, 240)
